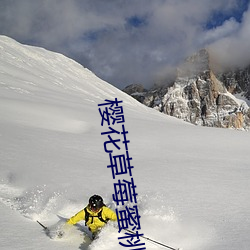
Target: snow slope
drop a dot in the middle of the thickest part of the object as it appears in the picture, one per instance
(193, 183)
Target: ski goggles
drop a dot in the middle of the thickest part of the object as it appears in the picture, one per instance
(94, 208)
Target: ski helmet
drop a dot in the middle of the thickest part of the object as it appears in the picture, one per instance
(95, 202)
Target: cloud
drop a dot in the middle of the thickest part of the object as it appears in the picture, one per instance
(228, 28)
(122, 41)
(233, 49)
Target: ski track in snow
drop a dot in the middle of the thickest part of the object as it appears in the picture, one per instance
(40, 204)
(37, 205)
(32, 204)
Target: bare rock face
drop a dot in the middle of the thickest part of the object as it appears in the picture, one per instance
(199, 97)
(237, 81)
(137, 91)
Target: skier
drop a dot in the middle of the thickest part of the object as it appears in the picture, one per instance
(95, 214)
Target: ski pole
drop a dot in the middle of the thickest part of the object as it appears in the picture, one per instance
(45, 228)
(157, 242)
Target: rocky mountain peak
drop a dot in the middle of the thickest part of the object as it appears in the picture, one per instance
(196, 64)
(200, 96)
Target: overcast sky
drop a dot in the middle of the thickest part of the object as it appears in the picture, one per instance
(131, 41)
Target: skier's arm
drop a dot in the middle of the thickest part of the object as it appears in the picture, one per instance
(110, 214)
(77, 217)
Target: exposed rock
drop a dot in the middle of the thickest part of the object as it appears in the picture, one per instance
(237, 81)
(201, 97)
(137, 91)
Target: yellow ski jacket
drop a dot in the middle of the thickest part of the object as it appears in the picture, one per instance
(94, 223)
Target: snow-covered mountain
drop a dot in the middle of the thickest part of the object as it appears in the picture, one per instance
(192, 182)
(237, 81)
(201, 95)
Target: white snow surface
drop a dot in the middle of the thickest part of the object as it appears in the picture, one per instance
(193, 183)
